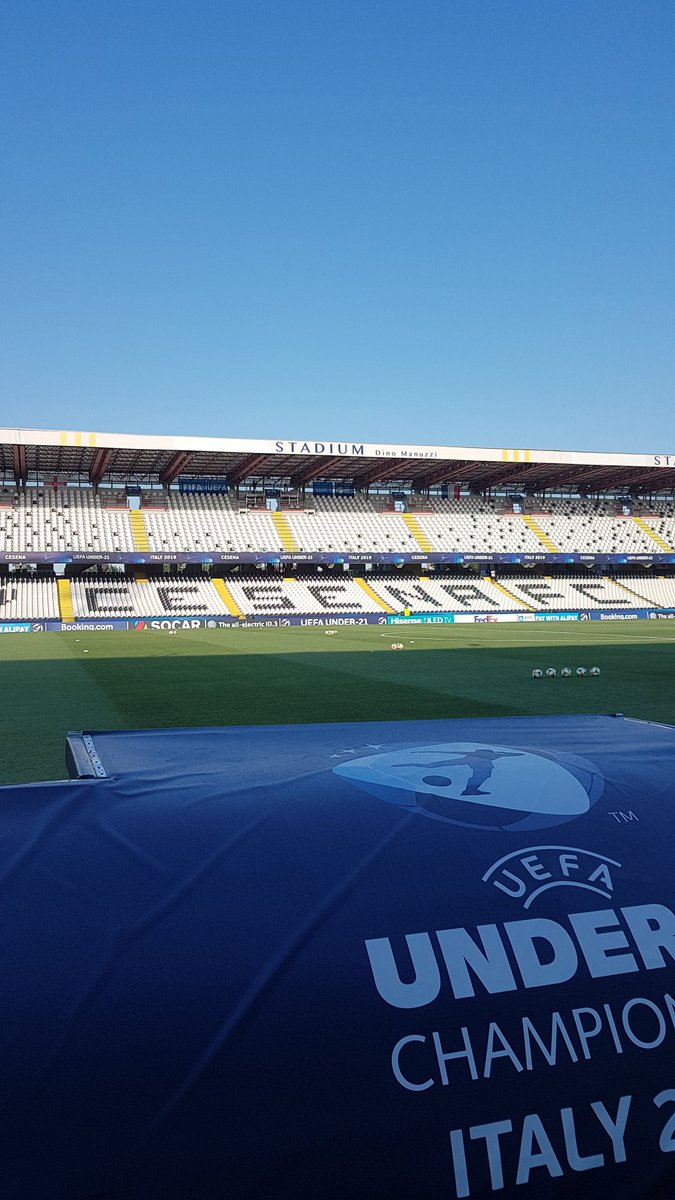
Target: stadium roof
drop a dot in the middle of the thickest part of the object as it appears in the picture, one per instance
(30, 455)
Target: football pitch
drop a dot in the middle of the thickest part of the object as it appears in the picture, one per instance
(54, 683)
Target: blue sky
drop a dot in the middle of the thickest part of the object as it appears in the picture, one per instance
(390, 221)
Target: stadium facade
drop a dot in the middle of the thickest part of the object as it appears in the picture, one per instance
(125, 529)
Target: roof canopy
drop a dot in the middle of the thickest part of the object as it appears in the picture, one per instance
(33, 454)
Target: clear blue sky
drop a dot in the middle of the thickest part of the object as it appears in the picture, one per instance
(447, 222)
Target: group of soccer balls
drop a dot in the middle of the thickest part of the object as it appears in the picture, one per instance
(551, 672)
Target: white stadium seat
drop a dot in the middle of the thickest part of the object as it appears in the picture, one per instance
(78, 520)
(107, 596)
(28, 598)
(72, 519)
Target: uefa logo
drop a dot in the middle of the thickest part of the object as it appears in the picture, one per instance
(480, 786)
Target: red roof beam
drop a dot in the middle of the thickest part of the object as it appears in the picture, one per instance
(316, 468)
(655, 480)
(388, 470)
(474, 472)
(175, 466)
(248, 465)
(442, 472)
(509, 475)
(612, 475)
(99, 466)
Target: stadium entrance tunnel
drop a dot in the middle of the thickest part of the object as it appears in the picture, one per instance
(420, 958)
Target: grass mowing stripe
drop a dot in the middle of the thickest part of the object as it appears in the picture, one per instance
(42, 701)
(258, 676)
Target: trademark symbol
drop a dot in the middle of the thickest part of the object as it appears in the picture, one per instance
(622, 818)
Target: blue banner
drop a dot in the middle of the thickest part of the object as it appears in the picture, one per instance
(319, 620)
(88, 625)
(611, 614)
(632, 614)
(433, 618)
(484, 618)
(184, 621)
(563, 616)
(208, 486)
(282, 557)
(417, 959)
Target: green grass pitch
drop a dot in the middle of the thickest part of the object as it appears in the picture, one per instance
(264, 676)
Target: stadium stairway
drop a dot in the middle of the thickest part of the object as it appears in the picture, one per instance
(655, 537)
(372, 595)
(629, 591)
(65, 600)
(138, 531)
(284, 530)
(417, 532)
(540, 535)
(227, 598)
(505, 592)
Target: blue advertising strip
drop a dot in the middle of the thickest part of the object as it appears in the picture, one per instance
(564, 616)
(282, 557)
(185, 621)
(270, 621)
(423, 619)
(93, 625)
(314, 619)
(480, 618)
(206, 486)
(633, 614)
(319, 620)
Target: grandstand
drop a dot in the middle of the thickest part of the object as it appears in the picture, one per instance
(118, 527)
(235, 795)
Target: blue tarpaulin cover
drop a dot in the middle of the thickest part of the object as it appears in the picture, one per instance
(419, 959)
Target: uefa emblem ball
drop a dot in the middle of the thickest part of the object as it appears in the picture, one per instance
(595, 671)
(537, 673)
(551, 672)
(581, 671)
(479, 785)
(566, 672)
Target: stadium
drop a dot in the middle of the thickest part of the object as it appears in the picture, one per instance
(286, 930)
(255, 548)
(336, 772)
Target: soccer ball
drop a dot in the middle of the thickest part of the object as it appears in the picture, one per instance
(566, 672)
(595, 670)
(537, 673)
(397, 645)
(550, 672)
(581, 671)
